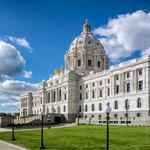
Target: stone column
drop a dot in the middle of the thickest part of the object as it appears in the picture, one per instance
(136, 80)
(52, 99)
(121, 83)
(56, 95)
(112, 90)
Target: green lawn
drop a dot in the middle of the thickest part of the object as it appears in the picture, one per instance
(84, 137)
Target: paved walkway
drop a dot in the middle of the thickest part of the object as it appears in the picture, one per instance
(4, 129)
(8, 146)
(59, 126)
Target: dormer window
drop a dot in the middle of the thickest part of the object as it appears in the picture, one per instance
(89, 62)
(79, 63)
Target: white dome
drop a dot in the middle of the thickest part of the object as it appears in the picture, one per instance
(86, 41)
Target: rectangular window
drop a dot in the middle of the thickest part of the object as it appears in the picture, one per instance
(86, 95)
(100, 107)
(80, 96)
(93, 94)
(80, 109)
(140, 72)
(100, 93)
(117, 76)
(79, 62)
(108, 91)
(128, 74)
(98, 64)
(64, 108)
(80, 87)
(117, 89)
(108, 81)
(99, 117)
(93, 84)
(89, 62)
(65, 96)
(92, 116)
(100, 83)
(115, 115)
(93, 109)
(140, 85)
(138, 114)
(86, 86)
(128, 87)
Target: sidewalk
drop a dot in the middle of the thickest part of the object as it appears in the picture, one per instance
(8, 146)
(59, 126)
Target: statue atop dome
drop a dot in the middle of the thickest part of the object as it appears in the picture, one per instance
(86, 27)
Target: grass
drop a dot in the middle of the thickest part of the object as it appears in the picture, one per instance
(84, 137)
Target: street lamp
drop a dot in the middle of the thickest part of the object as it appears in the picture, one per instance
(107, 111)
(42, 143)
(49, 119)
(13, 133)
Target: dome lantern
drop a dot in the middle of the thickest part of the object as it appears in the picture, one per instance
(86, 27)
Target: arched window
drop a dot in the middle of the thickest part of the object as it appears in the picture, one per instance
(100, 106)
(126, 104)
(139, 103)
(24, 112)
(93, 107)
(116, 104)
(86, 108)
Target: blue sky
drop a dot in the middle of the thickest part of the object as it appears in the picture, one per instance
(49, 26)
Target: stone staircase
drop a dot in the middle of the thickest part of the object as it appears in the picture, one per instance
(30, 119)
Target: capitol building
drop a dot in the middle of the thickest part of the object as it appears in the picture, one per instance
(87, 84)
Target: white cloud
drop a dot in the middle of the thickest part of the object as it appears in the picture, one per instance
(125, 34)
(21, 42)
(11, 61)
(27, 74)
(11, 89)
(10, 104)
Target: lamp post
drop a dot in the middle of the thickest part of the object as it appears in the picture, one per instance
(127, 108)
(42, 143)
(107, 111)
(49, 119)
(13, 133)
